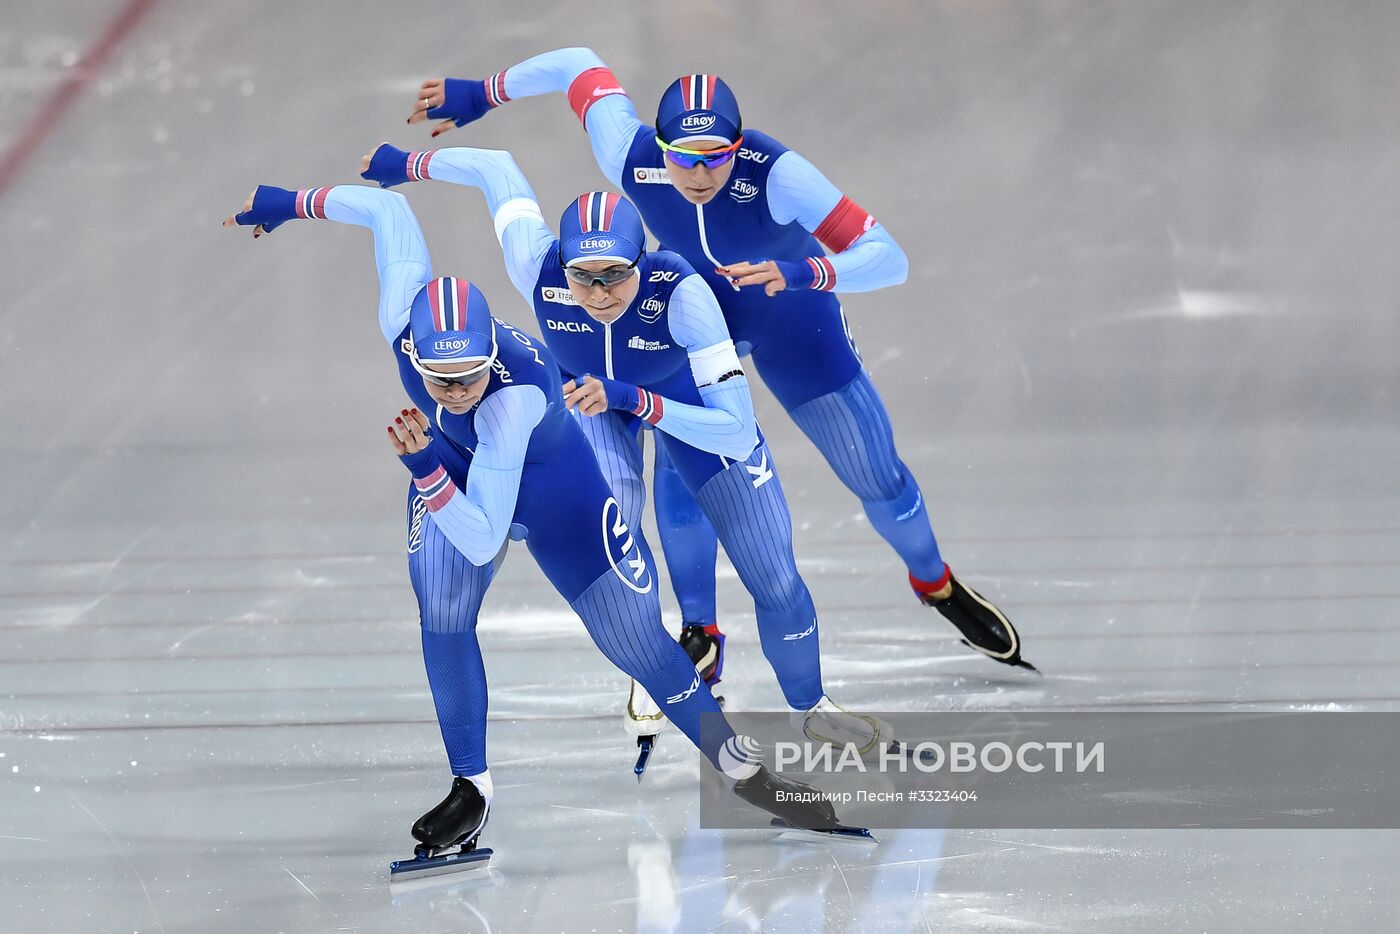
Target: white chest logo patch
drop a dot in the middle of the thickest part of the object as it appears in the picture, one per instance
(651, 177)
(558, 296)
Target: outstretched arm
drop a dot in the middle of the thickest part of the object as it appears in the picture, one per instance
(724, 424)
(524, 237)
(399, 249)
(475, 520)
(594, 94)
(864, 257)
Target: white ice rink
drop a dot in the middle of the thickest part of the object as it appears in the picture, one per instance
(1145, 367)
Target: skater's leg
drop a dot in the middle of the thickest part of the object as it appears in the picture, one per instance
(688, 541)
(851, 428)
(605, 570)
(449, 589)
(745, 502)
(617, 445)
(626, 626)
(809, 361)
(820, 381)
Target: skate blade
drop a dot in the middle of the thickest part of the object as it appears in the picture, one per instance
(645, 744)
(423, 867)
(1018, 663)
(850, 836)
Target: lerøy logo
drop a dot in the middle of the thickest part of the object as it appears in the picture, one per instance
(623, 552)
(697, 122)
(415, 524)
(450, 344)
(650, 309)
(596, 244)
(742, 191)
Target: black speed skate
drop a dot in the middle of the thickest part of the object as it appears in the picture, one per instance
(454, 825)
(705, 646)
(804, 812)
(984, 627)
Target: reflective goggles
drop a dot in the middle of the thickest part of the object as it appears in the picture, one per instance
(457, 379)
(690, 158)
(607, 278)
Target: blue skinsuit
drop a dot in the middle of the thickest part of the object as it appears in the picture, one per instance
(561, 504)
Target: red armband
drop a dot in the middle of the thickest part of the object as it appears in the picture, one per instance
(590, 87)
(843, 226)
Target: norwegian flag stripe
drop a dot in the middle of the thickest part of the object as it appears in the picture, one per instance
(496, 89)
(824, 272)
(418, 165)
(649, 407)
(448, 300)
(700, 92)
(436, 488)
(311, 203)
(595, 210)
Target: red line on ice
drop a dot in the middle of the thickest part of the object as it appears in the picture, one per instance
(62, 98)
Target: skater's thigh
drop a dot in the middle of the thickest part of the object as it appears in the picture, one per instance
(617, 445)
(807, 350)
(576, 527)
(449, 588)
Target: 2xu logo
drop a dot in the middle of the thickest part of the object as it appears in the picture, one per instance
(663, 275)
(623, 553)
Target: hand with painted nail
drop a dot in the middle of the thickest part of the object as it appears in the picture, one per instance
(413, 443)
(461, 100)
(266, 209)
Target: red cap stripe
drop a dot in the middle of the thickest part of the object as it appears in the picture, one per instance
(461, 287)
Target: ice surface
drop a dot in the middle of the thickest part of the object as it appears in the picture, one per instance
(1144, 367)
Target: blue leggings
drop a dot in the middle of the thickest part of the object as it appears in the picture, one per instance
(802, 348)
(598, 564)
(744, 501)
